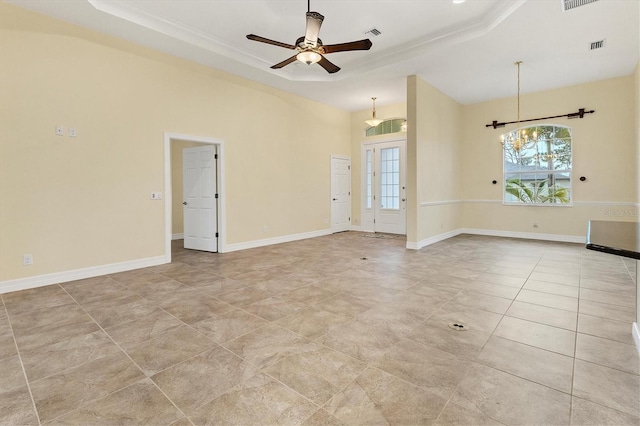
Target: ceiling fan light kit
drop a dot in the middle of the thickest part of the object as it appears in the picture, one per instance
(310, 48)
(308, 57)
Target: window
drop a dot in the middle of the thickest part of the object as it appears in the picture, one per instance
(537, 165)
(394, 125)
(369, 177)
(390, 178)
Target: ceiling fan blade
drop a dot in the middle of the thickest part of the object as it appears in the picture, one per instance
(268, 41)
(314, 22)
(285, 62)
(329, 66)
(343, 47)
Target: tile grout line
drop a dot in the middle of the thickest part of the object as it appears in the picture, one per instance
(492, 334)
(510, 305)
(126, 354)
(221, 346)
(367, 366)
(449, 400)
(575, 342)
(24, 372)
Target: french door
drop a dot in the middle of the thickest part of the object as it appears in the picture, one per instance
(384, 188)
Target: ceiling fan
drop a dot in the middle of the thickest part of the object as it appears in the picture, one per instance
(310, 48)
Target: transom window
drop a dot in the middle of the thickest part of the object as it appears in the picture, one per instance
(537, 165)
(394, 125)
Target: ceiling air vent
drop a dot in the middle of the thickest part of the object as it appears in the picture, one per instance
(572, 4)
(597, 44)
(373, 32)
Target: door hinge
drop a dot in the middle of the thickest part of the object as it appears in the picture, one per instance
(349, 167)
(374, 221)
(216, 195)
(215, 156)
(217, 235)
(349, 219)
(349, 192)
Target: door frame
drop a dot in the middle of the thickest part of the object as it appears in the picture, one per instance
(340, 157)
(222, 211)
(363, 191)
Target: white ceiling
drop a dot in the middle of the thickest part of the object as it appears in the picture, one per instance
(466, 50)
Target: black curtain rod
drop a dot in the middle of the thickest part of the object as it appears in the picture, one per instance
(580, 114)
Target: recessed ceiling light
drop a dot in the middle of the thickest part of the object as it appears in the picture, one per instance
(458, 1)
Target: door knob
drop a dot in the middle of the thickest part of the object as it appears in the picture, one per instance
(403, 199)
(335, 199)
(184, 203)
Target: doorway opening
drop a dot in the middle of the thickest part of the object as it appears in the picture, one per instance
(174, 142)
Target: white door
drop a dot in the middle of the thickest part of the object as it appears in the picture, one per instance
(200, 198)
(340, 194)
(384, 188)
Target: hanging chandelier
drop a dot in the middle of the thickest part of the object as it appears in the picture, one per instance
(518, 138)
(545, 156)
(373, 122)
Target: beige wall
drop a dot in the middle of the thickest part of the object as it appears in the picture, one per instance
(433, 135)
(438, 153)
(636, 79)
(81, 202)
(453, 159)
(437, 137)
(72, 202)
(604, 151)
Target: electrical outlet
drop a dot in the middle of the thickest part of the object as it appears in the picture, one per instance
(27, 259)
(73, 132)
(265, 229)
(156, 195)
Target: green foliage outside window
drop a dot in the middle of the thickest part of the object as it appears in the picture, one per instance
(537, 166)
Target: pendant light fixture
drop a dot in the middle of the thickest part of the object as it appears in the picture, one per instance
(373, 122)
(518, 138)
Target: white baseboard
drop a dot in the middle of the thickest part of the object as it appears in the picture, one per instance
(356, 228)
(432, 240)
(276, 240)
(636, 335)
(524, 235)
(177, 236)
(94, 271)
(495, 233)
(77, 274)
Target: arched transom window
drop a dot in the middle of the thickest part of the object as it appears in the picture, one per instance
(394, 125)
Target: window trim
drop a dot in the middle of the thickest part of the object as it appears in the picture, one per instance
(570, 171)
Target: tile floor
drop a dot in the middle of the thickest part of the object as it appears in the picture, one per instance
(328, 331)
